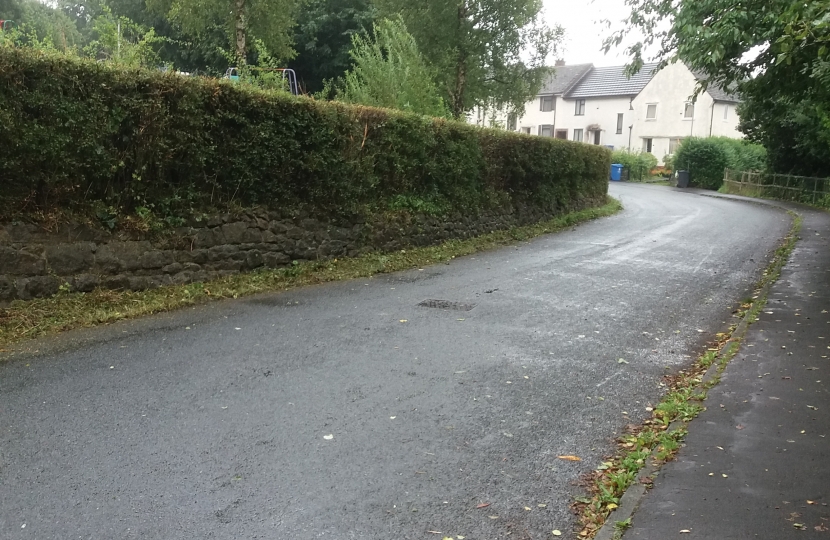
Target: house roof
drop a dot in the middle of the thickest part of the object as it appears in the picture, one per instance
(717, 92)
(612, 81)
(564, 78)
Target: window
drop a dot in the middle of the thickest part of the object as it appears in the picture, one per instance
(546, 103)
(647, 145)
(526, 130)
(562, 134)
(689, 110)
(578, 135)
(580, 107)
(725, 112)
(673, 145)
(546, 131)
(651, 111)
(619, 123)
(511, 121)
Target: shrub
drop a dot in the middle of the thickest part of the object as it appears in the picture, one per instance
(77, 134)
(707, 158)
(639, 164)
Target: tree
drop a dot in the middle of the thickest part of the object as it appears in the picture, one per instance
(323, 38)
(481, 51)
(271, 21)
(389, 71)
(775, 53)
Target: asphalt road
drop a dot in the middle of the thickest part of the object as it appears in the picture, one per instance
(349, 411)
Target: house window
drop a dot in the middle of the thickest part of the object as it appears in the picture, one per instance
(546, 103)
(526, 130)
(674, 144)
(578, 135)
(512, 119)
(546, 131)
(651, 111)
(619, 123)
(725, 112)
(689, 110)
(561, 133)
(647, 145)
(580, 107)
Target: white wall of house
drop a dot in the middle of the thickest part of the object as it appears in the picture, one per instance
(598, 112)
(668, 94)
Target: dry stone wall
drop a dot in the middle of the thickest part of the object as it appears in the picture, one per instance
(35, 262)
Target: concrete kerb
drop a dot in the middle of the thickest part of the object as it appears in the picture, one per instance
(633, 496)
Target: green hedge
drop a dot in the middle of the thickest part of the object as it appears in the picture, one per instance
(75, 132)
(707, 158)
(639, 164)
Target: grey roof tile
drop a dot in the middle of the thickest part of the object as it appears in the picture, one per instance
(563, 78)
(717, 93)
(612, 81)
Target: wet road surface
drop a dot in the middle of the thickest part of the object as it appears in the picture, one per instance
(350, 411)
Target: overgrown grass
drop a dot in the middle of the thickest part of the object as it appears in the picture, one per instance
(683, 401)
(66, 311)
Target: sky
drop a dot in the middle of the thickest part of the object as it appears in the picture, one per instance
(583, 32)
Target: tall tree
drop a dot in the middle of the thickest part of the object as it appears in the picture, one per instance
(270, 21)
(323, 38)
(389, 71)
(482, 51)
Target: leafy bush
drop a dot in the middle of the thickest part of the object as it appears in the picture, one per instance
(707, 158)
(76, 134)
(639, 164)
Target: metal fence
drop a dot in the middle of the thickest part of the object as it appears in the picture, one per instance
(788, 187)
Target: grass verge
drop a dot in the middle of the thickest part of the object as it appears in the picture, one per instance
(659, 437)
(66, 311)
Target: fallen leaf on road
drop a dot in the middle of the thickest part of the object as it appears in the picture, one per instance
(483, 505)
(570, 458)
(811, 502)
(611, 506)
(328, 437)
(622, 361)
(556, 532)
(685, 531)
(493, 517)
(739, 426)
(542, 505)
(402, 320)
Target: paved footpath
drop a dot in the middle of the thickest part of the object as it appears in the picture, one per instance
(756, 463)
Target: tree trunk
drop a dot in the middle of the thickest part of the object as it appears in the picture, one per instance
(460, 87)
(241, 27)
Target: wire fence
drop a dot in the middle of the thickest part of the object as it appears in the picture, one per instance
(788, 187)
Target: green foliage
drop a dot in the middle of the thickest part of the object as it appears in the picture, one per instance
(323, 38)
(481, 51)
(639, 164)
(78, 133)
(707, 158)
(121, 41)
(389, 71)
(271, 21)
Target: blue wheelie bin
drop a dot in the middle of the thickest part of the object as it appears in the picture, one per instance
(616, 172)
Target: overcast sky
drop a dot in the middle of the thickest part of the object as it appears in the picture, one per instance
(584, 33)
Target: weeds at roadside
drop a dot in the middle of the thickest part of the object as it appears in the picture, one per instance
(654, 439)
(66, 311)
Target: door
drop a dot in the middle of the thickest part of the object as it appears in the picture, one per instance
(647, 145)
(597, 134)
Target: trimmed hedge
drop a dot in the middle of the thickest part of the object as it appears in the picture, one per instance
(75, 132)
(707, 158)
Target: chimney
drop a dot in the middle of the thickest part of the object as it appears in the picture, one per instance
(560, 63)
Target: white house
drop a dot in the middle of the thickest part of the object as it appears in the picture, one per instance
(651, 112)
